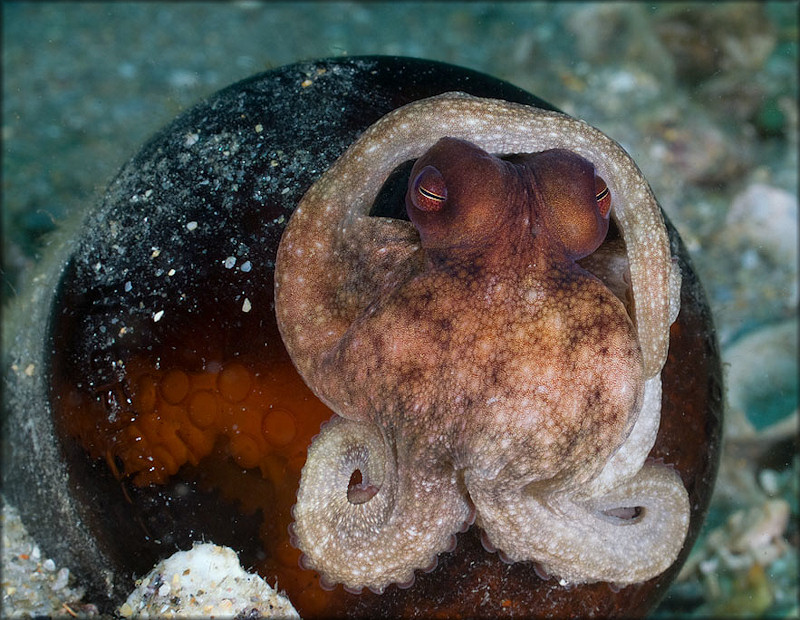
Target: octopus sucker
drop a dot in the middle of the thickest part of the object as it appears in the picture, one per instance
(550, 424)
(380, 528)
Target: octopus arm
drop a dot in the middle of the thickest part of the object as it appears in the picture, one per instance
(382, 252)
(380, 530)
(629, 458)
(317, 298)
(629, 535)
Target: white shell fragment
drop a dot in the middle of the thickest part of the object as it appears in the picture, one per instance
(206, 581)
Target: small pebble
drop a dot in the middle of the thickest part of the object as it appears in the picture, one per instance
(31, 587)
(767, 217)
(62, 579)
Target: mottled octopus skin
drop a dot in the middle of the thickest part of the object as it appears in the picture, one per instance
(474, 375)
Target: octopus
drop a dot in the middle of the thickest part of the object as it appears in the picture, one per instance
(486, 362)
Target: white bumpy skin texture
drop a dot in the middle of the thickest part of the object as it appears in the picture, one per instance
(476, 369)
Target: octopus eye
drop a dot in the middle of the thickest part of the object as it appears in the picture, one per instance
(603, 196)
(429, 190)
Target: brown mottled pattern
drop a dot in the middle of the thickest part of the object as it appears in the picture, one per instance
(345, 194)
(503, 376)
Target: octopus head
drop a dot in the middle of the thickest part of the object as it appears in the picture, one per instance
(461, 196)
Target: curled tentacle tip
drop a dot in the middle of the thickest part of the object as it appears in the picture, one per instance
(360, 491)
(624, 514)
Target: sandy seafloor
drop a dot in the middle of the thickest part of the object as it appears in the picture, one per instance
(703, 96)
